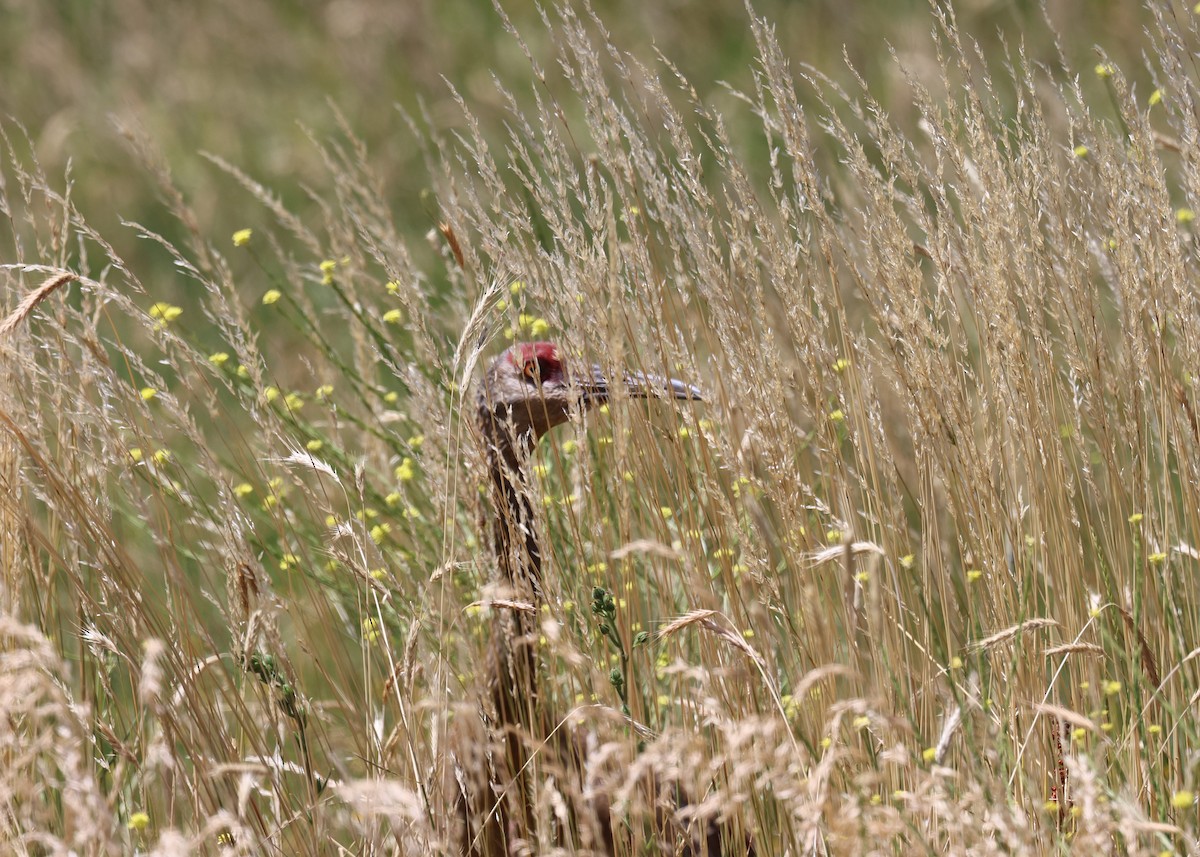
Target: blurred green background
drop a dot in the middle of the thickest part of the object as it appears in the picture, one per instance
(247, 79)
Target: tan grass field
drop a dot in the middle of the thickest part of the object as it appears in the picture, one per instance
(919, 575)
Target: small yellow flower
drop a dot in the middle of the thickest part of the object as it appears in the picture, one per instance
(330, 521)
(973, 575)
(861, 722)
(218, 359)
(135, 453)
(271, 394)
(1155, 97)
(837, 416)
(1106, 727)
(685, 432)
(1157, 558)
(1154, 729)
(956, 663)
(148, 393)
(1104, 70)
(391, 397)
(328, 266)
(393, 287)
(539, 328)
(392, 500)
(569, 447)
(379, 532)
(242, 237)
(1184, 216)
(161, 456)
(242, 489)
(929, 754)
(242, 371)
(416, 441)
(907, 560)
(1081, 151)
(271, 296)
(378, 574)
(748, 634)
(841, 365)
(324, 391)
(392, 316)
(1050, 806)
(666, 512)
(370, 629)
(405, 470)
(314, 445)
(165, 312)
(1182, 799)
(833, 535)
(1078, 734)
(141, 820)
(826, 742)
(516, 287)
(293, 401)
(1112, 687)
(287, 561)
(1135, 518)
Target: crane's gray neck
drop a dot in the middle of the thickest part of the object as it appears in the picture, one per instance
(514, 536)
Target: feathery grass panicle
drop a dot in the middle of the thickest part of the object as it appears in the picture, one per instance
(28, 303)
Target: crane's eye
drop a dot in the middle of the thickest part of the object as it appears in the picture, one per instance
(531, 371)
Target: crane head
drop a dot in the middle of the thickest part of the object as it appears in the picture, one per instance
(533, 386)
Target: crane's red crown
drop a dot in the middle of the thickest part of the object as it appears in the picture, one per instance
(538, 360)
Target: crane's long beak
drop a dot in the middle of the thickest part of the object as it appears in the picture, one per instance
(597, 390)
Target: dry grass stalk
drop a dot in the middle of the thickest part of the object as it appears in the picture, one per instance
(1011, 633)
(1074, 649)
(29, 303)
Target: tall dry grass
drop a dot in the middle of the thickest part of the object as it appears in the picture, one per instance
(917, 577)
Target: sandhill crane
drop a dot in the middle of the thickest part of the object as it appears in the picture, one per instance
(526, 392)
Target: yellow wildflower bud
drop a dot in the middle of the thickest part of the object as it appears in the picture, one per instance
(242, 237)
(405, 470)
